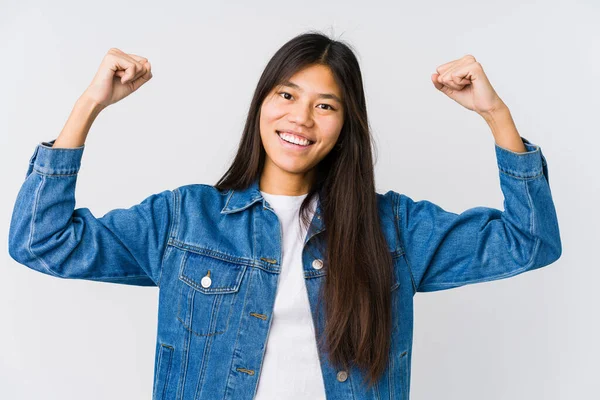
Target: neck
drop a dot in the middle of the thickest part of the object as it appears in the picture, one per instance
(284, 183)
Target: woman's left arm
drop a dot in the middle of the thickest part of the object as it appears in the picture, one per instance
(446, 250)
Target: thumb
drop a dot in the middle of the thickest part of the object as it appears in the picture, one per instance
(144, 78)
(443, 88)
(434, 79)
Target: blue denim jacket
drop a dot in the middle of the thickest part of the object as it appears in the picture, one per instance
(216, 258)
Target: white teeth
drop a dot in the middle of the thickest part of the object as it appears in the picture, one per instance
(293, 139)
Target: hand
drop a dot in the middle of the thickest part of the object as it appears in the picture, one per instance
(464, 81)
(119, 75)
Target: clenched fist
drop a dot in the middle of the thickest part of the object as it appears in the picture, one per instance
(464, 81)
(119, 75)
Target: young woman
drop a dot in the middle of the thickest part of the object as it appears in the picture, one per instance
(291, 268)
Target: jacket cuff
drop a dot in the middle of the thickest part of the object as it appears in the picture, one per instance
(56, 161)
(529, 164)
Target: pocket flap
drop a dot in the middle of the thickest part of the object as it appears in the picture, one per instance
(225, 276)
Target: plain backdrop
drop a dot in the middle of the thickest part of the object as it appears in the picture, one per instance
(532, 336)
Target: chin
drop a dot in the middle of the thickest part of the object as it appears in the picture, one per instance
(290, 167)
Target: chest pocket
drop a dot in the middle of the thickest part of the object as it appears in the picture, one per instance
(208, 288)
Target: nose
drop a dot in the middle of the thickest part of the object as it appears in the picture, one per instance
(301, 114)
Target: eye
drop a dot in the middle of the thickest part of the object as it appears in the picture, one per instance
(280, 93)
(330, 107)
(324, 104)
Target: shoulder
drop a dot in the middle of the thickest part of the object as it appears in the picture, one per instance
(390, 198)
(388, 203)
(200, 193)
(402, 204)
(200, 188)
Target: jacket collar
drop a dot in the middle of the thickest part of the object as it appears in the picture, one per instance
(239, 200)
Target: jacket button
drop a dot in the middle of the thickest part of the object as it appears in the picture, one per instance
(317, 264)
(205, 282)
(342, 376)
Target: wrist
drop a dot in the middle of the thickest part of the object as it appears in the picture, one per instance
(500, 112)
(89, 105)
(76, 129)
(504, 130)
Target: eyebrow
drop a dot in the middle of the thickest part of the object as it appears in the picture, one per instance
(321, 95)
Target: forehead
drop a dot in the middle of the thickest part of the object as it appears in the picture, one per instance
(315, 79)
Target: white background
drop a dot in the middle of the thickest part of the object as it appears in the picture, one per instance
(533, 336)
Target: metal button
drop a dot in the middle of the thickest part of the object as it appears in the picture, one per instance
(342, 376)
(206, 281)
(317, 264)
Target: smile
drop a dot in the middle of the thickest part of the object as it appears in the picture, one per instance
(293, 142)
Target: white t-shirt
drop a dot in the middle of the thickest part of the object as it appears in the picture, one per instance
(291, 368)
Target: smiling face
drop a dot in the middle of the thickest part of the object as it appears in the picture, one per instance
(307, 106)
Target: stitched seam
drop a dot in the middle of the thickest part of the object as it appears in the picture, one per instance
(58, 174)
(177, 212)
(392, 370)
(397, 216)
(203, 368)
(486, 279)
(187, 338)
(157, 372)
(404, 364)
(237, 336)
(166, 244)
(532, 226)
(184, 364)
(32, 228)
(225, 208)
(168, 372)
(209, 341)
(509, 173)
(220, 290)
(214, 253)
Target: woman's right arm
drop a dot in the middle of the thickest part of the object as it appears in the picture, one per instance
(48, 234)
(119, 75)
(76, 128)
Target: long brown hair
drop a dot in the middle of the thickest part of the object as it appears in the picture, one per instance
(356, 291)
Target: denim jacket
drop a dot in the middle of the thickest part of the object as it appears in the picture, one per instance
(216, 257)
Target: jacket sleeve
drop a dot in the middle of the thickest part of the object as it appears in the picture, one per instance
(49, 235)
(445, 250)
